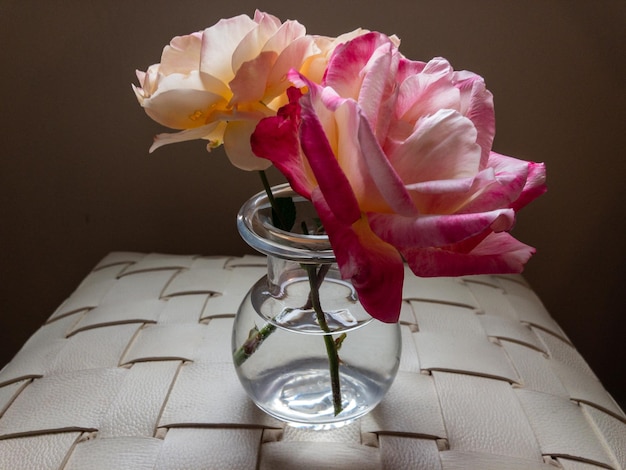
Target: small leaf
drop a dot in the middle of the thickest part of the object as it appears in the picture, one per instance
(339, 341)
(287, 213)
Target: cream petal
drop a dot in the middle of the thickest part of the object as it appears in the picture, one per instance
(293, 56)
(219, 43)
(148, 80)
(178, 81)
(183, 136)
(251, 79)
(181, 108)
(251, 45)
(182, 55)
(237, 146)
(287, 33)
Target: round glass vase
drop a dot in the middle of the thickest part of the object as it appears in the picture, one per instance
(305, 350)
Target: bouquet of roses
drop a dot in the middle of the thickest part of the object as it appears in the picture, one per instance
(395, 154)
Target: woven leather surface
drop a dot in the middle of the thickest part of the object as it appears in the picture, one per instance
(133, 371)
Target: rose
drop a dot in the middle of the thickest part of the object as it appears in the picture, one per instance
(396, 157)
(218, 83)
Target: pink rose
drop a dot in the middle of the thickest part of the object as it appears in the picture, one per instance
(218, 83)
(396, 157)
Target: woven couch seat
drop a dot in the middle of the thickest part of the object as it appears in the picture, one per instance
(133, 371)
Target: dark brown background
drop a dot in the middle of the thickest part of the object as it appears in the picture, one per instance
(76, 181)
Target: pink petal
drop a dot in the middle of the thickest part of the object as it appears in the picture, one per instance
(387, 180)
(457, 185)
(378, 84)
(448, 196)
(344, 71)
(502, 189)
(276, 139)
(443, 146)
(349, 156)
(438, 230)
(535, 185)
(331, 179)
(427, 92)
(408, 68)
(499, 253)
(533, 174)
(374, 267)
(480, 111)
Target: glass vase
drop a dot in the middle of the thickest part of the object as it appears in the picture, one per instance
(305, 350)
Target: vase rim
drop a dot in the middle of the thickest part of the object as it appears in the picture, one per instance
(256, 229)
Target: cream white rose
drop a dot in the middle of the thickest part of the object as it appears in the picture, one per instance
(218, 83)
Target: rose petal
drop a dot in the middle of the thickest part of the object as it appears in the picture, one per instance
(506, 185)
(499, 253)
(377, 86)
(182, 55)
(329, 175)
(447, 196)
(344, 71)
(529, 177)
(535, 185)
(237, 146)
(276, 139)
(219, 43)
(443, 146)
(438, 230)
(253, 43)
(479, 109)
(285, 35)
(427, 92)
(387, 180)
(351, 161)
(183, 136)
(251, 78)
(181, 103)
(295, 53)
(375, 268)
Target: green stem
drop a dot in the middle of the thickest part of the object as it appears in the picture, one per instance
(319, 278)
(331, 346)
(256, 337)
(275, 209)
(252, 343)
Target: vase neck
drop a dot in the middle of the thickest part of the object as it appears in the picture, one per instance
(254, 223)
